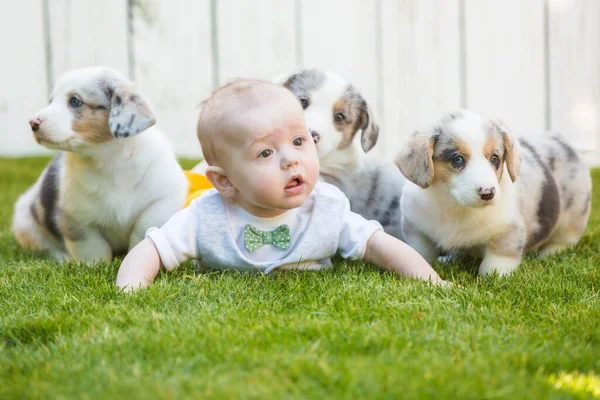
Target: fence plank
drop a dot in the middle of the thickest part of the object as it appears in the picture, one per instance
(341, 37)
(420, 65)
(505, 61)
(173, 65)
(88, 33)
(574, 29)
(23, 87)
(256, 38)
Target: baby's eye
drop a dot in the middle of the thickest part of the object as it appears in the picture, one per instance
(298, 141)
(265, 153)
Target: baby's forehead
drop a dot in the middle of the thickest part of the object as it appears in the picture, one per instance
(262, 106)
(271, 117)
(263, 100)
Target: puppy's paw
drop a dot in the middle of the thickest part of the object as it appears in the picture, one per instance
(503, 265)
(61, 257)
(448, 257)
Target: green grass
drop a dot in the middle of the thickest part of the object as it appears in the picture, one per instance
(66, 332)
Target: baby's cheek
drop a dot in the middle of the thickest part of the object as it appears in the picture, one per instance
(265, 186)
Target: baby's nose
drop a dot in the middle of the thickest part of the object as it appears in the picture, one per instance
(289, 161)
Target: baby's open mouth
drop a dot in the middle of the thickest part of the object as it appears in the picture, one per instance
(295, 185)
(295, 181)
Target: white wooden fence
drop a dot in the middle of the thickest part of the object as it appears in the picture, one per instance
(533, 63)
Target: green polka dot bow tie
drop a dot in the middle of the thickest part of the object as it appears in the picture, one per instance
(255, 238)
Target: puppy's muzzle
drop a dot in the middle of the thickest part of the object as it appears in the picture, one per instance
(315, 135)
(487, 193)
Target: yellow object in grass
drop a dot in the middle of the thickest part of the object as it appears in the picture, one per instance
(198, 185)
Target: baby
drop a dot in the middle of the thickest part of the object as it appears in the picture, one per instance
(267, 210)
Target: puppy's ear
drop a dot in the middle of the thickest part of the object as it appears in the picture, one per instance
(370, 129)
(512, 150)
(129, 112)
(416, 159)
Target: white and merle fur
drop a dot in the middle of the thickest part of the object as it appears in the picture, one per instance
(344, 129)
(114, 177)
(477, 189)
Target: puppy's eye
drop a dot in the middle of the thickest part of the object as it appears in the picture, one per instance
(75, 102)
(339, 117)
(265, 153)
(304, 102)
(298, 141)
(458, 161)
(494, 158)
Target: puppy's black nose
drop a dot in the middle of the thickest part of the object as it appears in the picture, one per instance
(486, 194)
(35, 124)
(316, 137)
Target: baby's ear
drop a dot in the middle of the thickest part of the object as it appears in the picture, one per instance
(219, 179)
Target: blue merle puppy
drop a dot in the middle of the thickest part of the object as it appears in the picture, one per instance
(476, 188)
(344, 129)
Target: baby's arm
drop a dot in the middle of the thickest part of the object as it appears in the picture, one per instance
(140, 266)
(168, 246)
(391, 254)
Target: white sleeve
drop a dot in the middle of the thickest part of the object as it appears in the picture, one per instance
(176, 241)
(355, 233)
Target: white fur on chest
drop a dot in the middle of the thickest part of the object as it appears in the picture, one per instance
(112, 193)
(100, 199)
(451, 226)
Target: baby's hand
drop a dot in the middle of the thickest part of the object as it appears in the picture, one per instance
(139, 267)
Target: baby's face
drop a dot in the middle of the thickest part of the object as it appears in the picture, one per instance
(273, 163)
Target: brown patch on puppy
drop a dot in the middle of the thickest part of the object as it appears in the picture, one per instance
(447, 147)
(91, 124)
(443, 171)
(512, 148)
(512, 155)
(343, 123)
(490, 148)
(463, 148)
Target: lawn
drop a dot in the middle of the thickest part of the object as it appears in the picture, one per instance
(350, 332)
